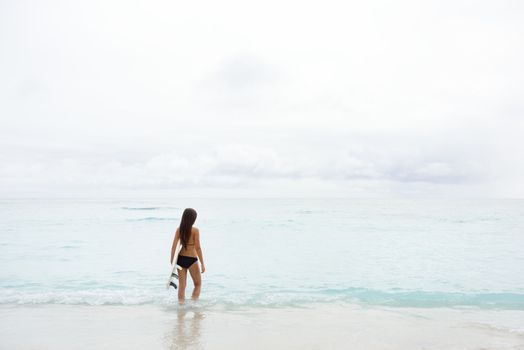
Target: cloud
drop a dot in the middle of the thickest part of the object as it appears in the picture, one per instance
(248, 165)
(244, 72)
(281, 97)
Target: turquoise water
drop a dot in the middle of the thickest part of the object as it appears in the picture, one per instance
(267, 252)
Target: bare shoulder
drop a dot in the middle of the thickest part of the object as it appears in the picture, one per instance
(196, 232)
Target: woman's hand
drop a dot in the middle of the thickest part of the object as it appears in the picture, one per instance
(203, 268)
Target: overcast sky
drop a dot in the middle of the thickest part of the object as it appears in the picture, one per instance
(267, 98)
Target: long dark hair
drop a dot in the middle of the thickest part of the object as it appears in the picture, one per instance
(186, 223)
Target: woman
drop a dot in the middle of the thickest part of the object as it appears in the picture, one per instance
(191, 252)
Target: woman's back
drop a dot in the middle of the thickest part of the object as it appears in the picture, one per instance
(189, 248)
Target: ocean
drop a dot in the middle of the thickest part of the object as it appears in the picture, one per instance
(267, 253)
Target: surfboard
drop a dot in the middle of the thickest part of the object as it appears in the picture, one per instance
(173, 275)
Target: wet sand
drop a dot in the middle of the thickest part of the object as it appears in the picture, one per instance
(315, 327)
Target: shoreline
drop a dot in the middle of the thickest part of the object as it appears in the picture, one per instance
(313, 327)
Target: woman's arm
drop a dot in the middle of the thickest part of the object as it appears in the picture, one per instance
(199, 250)
(173, 248)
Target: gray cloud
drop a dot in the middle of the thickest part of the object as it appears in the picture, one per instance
(243, 72)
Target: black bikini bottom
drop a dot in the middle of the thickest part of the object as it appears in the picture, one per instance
(185, 261)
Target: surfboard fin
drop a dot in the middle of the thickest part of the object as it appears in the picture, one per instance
(173, 284)
(174, 275)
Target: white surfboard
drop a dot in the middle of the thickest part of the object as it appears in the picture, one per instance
(173, 275)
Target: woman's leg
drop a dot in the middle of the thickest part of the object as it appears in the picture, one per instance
(194, 270)
(182, 277)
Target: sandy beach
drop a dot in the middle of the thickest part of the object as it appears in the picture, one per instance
(316, 327)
